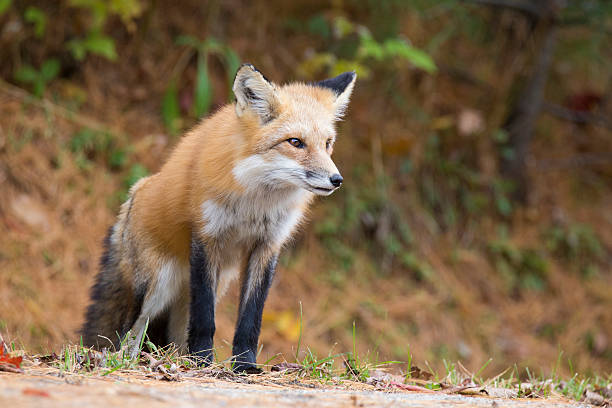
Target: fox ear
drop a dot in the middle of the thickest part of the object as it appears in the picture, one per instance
(254, 93)
(342, 87)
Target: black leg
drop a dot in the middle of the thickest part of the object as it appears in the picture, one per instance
(253, 296)
(202, 306)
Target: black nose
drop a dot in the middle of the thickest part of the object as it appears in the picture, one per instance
(336, 180)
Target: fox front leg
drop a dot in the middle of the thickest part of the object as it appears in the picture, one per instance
(254, 291)
(202, 305)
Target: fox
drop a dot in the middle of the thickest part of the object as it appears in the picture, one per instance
(228, 198)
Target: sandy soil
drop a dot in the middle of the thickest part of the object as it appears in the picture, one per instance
(41, 387)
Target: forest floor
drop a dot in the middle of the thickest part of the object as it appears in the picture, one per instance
(81, 376)
(51, 388)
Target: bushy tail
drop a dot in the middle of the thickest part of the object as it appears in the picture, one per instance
(114, 305)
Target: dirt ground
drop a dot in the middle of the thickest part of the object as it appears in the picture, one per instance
(41, 387)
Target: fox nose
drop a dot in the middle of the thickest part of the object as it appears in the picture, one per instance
(336, 180)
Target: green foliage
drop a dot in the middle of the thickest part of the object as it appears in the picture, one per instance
(37, 17)
(88, 145)
(203, 87)
(171, 114)
(101, 10)
(94, 43)
(576, 243)
(136, 172)
(38, 79)
(4, 6)
(522, 268)
(454, 190)
(365, 50)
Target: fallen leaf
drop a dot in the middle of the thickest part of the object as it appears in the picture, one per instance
(35, 392)
(49, 358)
(416, 372)
(596, 399)
(381, 375)
(285, 366)
(8, 363)
(410, 387)
(605, 391)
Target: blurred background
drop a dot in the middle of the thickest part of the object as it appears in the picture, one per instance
(475, 218)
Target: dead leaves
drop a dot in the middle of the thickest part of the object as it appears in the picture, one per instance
(287, 367)
(8, 363)
(601, 397)
(162, 369)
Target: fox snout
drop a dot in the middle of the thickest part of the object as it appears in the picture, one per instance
(322, 183)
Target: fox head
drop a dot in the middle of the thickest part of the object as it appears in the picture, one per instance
(289, 131)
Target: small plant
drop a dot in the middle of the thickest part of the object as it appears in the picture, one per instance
(367, 50)
(95, 41)
(38, 79)
(136, 172)
(576, 243)
(203, 88)
(521, 267)
(38, 18)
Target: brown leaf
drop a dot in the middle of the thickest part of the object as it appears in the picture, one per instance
(383, 376)
(605, 391)
(35, 392)
(416, 372)
(410, 387)
(49, 358)
(8, 363)
(596, 399)
(285, 366)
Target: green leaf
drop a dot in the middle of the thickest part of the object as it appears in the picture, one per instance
(49, 69)
(343, 27)
(369, 48)
(37, 17)
(117, 159)
(137, 171)
(77, 48)
(211, 44)
(232, 63)
(203, 87)
(27, 74)
(188, 41)
(127, 10)
(4, 5)
(342, 65)
(170, 108)
(318, 25)
(100, 44)
(95, 43)
(39, 87)
(396, 47)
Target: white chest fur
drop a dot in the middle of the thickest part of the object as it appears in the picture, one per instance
(270, 216)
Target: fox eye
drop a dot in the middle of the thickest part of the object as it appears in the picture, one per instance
(295, 142)
(328, 144)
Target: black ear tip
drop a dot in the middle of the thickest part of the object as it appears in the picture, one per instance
(338, 84)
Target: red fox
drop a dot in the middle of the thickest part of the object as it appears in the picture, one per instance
(228, 198)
